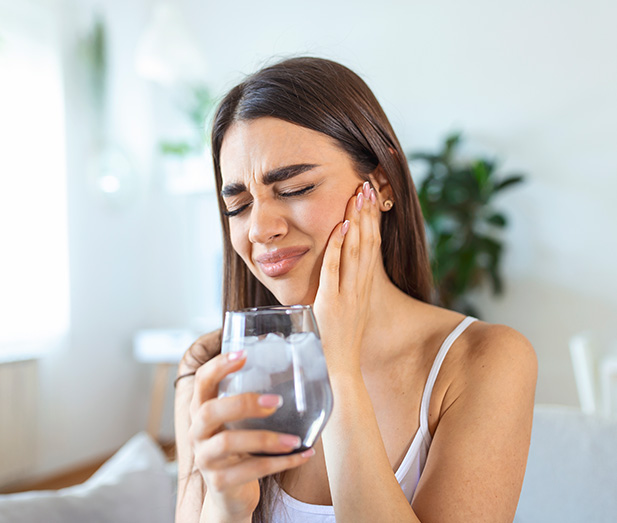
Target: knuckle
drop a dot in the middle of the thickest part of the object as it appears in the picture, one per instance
(354, 252)
(247, 402)
(205, 410)
(333, 267)
(264, 467)
(269, 440)
(201, 373)
(217, 480)
(202, 461)
(223, 443)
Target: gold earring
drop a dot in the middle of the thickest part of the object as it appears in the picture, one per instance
(388, 204)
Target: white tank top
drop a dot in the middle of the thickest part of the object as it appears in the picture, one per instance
(290, 510)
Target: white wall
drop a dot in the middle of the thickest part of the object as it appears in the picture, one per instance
(532, 82)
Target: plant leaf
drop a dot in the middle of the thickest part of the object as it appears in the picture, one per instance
(175, 148)
(452, 141)
(497, 219)
(508, 182)
(480, 173)
(427, 157)
(496, 281)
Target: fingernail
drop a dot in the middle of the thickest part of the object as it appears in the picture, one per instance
(359, 201)
(270, 400)
(373, 196)
(366, 187)
(236, 355)
(308, 453)
(290, 441)
(345, 227)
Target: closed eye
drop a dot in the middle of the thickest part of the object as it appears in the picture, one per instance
(299, 192)
(290, 194)
(235, 212)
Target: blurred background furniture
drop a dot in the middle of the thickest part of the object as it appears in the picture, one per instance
(164, 348)
(571, 473)
(136, 485)
(594, 360)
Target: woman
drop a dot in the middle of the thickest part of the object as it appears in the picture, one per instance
(432, 411)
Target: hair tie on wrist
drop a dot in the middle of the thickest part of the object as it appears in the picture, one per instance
(183, 376)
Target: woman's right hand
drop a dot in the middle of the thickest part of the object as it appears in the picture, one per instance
(223, 457)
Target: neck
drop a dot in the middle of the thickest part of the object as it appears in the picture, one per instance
(390, 309)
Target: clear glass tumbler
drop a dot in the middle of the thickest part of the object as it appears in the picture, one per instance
(284, 356)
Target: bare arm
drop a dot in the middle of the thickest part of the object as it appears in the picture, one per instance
(191, 487)
(476, 465)
(352, 441)
(363, 486)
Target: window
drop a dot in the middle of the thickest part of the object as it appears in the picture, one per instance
(34, 289)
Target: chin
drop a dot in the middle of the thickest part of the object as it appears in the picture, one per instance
(287, 296)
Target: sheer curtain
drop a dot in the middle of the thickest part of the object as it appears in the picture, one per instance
(34, 289)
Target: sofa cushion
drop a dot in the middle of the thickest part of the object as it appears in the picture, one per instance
(572, 468)
(133, 486)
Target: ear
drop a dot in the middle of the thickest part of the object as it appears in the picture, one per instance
(382, 187)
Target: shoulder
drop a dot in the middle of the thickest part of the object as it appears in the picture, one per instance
(493, 360)
(202, 350)
(482, 344)
(497, 347)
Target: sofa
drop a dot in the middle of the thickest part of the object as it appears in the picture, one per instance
(571, 478)
(571, 472)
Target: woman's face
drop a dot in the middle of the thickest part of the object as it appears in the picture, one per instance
(286, 188)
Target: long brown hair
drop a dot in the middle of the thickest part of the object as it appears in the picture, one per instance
(327, 97)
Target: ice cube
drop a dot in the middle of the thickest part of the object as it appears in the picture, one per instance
(236, 344)
(271, 354)
(246, 343)
(253, 380)
(316, 369)
(307, 352)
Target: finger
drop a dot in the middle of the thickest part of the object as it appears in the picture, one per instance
(254, 468)
(214, 413)
(330, 267)
(209, 375)
(376, 213)
(350, 253)
(366, 235)
(216, 451)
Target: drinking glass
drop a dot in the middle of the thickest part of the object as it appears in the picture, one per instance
(285, 357)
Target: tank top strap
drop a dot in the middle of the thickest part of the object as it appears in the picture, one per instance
(432, 376)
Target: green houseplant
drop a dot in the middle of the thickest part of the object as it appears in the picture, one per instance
(185, 159)
(198, 104)
(464, 228)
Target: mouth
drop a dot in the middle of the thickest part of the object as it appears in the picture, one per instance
(281, 261)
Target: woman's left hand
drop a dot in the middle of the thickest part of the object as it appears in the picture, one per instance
(345, 286)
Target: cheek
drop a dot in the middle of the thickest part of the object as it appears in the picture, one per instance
(320, 217)
(239, 240)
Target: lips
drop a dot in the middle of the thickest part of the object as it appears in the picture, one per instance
(281, 261)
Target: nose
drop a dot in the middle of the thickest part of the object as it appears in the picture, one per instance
(267, 222)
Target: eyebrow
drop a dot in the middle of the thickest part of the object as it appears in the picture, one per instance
(275, 175)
